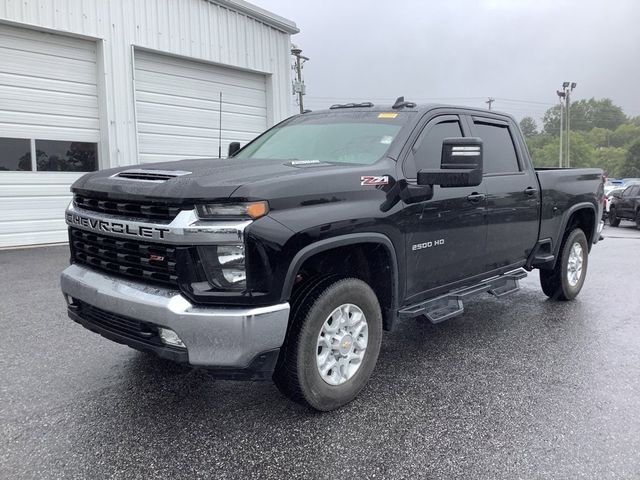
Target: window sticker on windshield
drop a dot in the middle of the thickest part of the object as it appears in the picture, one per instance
(387, 115)
(386, 140)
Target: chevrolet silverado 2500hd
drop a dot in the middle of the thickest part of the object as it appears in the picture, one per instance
(288, 259)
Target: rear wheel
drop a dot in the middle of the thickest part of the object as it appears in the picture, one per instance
(333, 344)
(614, 220)
(566, 279)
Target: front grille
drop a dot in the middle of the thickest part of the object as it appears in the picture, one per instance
(127, 209)
(119, 324)
(148, 262)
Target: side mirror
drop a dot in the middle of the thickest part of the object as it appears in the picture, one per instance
(616, 194)
(460, 164)
(234, 147)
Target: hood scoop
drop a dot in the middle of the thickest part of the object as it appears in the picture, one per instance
(143, 175)
(306, 163)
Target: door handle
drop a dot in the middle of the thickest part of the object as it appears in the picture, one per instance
(530, 191)
(476, 197)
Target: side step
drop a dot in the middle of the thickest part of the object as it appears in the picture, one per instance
(451, 304)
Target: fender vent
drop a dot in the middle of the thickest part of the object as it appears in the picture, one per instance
(149, 175)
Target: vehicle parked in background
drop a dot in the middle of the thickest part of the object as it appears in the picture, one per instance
(625, 205)
(288, 259)
(608, 196)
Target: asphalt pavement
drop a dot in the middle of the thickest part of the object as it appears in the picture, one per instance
(518, 387)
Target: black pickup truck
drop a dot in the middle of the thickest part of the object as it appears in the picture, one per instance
(288, 259)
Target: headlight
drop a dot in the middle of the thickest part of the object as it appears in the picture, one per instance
(224, 266)
(231, 254)
(252, 210)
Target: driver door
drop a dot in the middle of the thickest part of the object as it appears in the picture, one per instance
(446, 235)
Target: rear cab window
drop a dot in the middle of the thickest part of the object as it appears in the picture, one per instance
(499, 150)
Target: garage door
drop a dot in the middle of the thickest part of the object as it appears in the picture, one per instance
(48, 130)
(178, 107)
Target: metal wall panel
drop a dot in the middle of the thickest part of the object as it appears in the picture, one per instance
(32, 206)
(178, 107)
(47, 86)
(221, 31)
(48, 90)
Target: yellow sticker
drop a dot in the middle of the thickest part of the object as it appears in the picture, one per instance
(387, 115)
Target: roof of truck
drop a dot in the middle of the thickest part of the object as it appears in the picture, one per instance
(416, 108)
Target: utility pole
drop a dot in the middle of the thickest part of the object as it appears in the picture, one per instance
(298, 84)
(568, 88)
(490, 101)
(561, 96)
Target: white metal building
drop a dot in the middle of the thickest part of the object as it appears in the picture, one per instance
(88, 84)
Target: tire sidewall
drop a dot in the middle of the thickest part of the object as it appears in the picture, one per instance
(317, 392)
(576, 236)
(614, 221)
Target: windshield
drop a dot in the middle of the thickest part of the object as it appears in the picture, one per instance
(341, 137)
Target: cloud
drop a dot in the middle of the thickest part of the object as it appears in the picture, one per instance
(464, 51)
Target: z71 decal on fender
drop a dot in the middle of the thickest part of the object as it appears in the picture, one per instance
(374, 181)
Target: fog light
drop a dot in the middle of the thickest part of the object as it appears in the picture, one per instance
(169, 337)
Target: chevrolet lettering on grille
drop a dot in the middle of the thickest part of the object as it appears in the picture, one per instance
(116, 227)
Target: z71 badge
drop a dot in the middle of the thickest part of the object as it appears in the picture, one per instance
(374, 181)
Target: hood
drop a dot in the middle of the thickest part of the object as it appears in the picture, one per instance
(213, 179)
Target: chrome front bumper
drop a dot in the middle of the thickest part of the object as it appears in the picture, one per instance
(214, 337)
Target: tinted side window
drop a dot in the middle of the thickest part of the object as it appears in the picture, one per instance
(499, 153)
(16, 154)
(627, 192)
(427, 152)
(59, 156)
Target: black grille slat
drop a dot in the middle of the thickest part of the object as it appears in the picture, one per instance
(125, 257)
(120, 324)
(127, 209)
(128, 258)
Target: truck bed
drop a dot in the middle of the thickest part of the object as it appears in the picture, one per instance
(564, 189)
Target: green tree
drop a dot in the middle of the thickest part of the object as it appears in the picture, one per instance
(551, 120)
(586, 115)
(611, 160)
(546, 155)
(625, 135)
(582, 154)
(529, 127)
(599, 137)
(631, 167)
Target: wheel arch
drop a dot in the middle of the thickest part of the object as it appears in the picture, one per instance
(348, 240)
(583, 215)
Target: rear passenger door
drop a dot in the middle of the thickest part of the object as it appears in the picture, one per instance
(513, 196)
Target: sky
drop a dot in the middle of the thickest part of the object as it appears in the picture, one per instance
(464, 51)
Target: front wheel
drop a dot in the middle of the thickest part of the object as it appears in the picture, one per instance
(566, 279)
(332, 346)
(638, 219)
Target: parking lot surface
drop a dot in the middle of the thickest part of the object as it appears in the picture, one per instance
(518, 387)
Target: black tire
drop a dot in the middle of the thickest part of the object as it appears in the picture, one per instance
(638, 219)
(614, 220)
(555, 283)
(296, 374)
